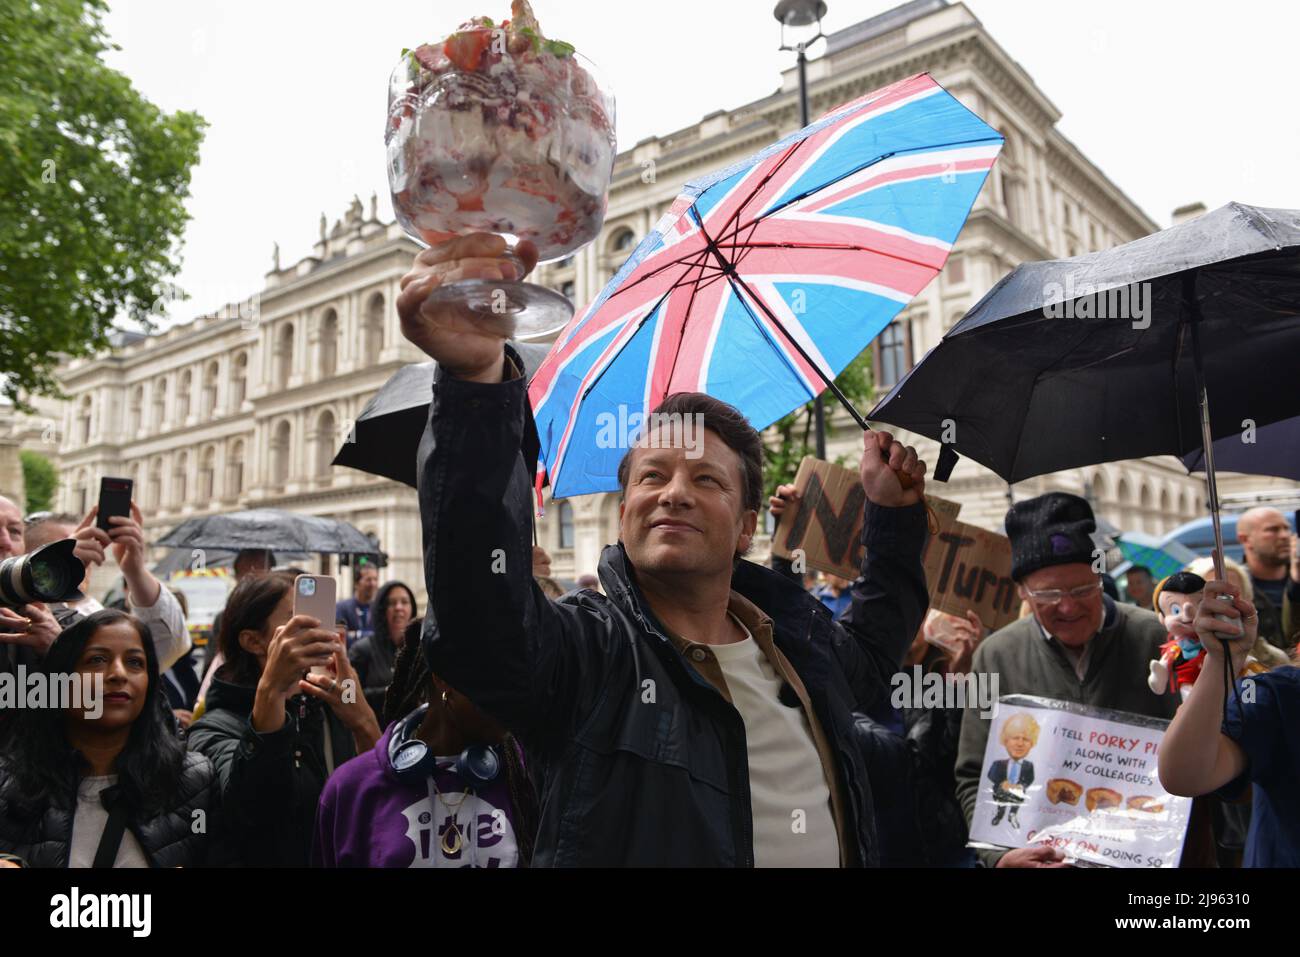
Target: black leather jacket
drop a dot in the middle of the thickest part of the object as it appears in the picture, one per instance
(626, 780)
(169, 838)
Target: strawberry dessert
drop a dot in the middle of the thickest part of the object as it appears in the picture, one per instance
(498, 129)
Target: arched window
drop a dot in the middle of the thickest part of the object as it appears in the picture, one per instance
(280, 453)
(207, 476)
(284, 356)
(565, 515)
(328, 354)
(183, 397)
(235, 470)
(210, 389)
(180, 476)
(238, 381)
(622, 241)
(159, 402)
(83, 424)
(135, 411)
(155, 483)
(79, 494)
(1164, 502)
(325, 438)
(372, 331)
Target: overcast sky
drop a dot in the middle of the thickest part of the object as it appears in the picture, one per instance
(1174, 104)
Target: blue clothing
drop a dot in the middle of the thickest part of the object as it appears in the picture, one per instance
(838, 606)
(1273, 749)
(357, 617)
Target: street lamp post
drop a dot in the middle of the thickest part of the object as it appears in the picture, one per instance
(803, 13)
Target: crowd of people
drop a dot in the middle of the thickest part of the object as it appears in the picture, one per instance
(684, 707)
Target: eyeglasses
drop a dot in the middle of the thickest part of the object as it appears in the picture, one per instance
(1053, 596)
(35, 517)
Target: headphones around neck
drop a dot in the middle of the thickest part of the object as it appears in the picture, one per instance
(411, 759)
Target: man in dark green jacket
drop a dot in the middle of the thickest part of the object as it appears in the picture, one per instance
(1078, 645)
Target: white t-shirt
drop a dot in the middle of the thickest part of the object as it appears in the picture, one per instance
(88, 828)
(793, 822)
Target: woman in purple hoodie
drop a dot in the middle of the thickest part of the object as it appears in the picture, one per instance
(444, 787)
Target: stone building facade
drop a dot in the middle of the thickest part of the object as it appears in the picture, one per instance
(246, 408)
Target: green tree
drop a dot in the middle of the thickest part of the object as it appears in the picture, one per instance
(41, 479)
(93, 183)
(791, 437)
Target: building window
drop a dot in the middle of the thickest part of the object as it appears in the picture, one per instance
(329, 349)
(564, 263)
(183, 397)
(235, 471)
(280, 448)
(207, 475)
(239, 381)
(568, 289)
(893, 356)
(155, 484)
(284, 356)
(210, 389)
(955, 270)
(159, 402)
(83, 424)
(566, 525)
(324, 443)
(136, 411)
(372, 332)
(179, 477)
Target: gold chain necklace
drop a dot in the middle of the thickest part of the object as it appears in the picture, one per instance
(451, 841)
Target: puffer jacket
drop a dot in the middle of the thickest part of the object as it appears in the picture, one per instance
(270, 783)
(169, 838)
(629, 778)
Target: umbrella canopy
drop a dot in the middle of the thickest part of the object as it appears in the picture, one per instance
(1162, 559)
(1079, 361)
(764, 280)
(177, 561)
(274, 529)
(386, 436)
(1270, 450)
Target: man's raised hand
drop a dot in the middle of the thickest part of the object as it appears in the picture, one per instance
(882, 458)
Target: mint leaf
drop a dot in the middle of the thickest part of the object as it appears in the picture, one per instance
(560, 48)
(488, 22)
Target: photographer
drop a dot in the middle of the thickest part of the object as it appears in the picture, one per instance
(154, 605)
(26, 632)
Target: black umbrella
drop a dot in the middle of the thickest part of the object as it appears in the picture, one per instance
(1270, 450)
(176, 561)
(274, 529)
(386, 435)
(1107, 356)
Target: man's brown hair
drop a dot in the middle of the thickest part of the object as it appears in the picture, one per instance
(732, 427)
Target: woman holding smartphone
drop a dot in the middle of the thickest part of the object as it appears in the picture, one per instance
(105, 782)
(444, 787)
(274, 732)
(373, 656)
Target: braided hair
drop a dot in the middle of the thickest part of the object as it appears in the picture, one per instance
(412, 686)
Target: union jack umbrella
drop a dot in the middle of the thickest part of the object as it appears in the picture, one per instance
(764, 280)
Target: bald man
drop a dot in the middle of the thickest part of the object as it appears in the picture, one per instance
(1267, 539)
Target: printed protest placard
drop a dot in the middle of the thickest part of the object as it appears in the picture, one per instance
(1082, 779)
(827, 525)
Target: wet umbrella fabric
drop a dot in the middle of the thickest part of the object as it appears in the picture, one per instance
(1080, 361)
(386, 436)
(270, 528)
(1272, 450)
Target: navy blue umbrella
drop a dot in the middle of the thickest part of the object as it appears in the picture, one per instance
(1268, 450)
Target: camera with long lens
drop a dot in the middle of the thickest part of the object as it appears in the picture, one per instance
(51, 573)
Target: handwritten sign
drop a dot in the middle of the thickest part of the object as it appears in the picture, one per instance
(827, 525)
(969, 568)
(1082, 779)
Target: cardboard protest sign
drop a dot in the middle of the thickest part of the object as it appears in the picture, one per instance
(827, 525)
(1079, 778)
(968, 567)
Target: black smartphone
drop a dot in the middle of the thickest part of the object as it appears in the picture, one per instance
(114, 499)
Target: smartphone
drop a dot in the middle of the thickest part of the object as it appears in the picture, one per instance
(315, 595)
(114, 499)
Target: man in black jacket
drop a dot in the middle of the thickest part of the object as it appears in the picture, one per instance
(700, 712)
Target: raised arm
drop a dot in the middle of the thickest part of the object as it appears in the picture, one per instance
(491, 633)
